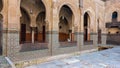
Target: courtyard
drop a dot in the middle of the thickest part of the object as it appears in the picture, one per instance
(101, 59)
(33, 31)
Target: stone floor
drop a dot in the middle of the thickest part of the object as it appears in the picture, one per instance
(102, 59)
(4, 63)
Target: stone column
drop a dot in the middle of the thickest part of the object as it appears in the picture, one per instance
(33, 33)
(11, 29)
(79, 39)
(55, 30)
(4, 37)
(88, 37)
(49, 35)
(81, 34)
(33, 25)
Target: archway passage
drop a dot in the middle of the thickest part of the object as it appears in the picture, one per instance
(33, 25)
(34, 13)
(1, 27)
(25, 32)
(86, 27)
(40, 33)
(65, 24)
(63, 30)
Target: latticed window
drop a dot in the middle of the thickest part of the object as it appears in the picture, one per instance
(114, 16)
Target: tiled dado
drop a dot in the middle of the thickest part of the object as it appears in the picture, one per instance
(12, 41)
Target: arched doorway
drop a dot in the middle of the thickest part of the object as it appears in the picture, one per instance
(40, 33)
(86, 27)
(1, 26)
(66, 24)
(25, 30)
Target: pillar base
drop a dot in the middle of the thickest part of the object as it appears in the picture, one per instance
(104, 39)
(53, 41)
(80, 40)
(95, 39)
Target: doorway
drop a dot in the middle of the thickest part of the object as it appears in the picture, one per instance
(23, 33)
(86, 26)
(99, 36)
(43, 33)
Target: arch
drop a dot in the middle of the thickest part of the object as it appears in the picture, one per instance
(86, 27)
(91, 14)
(40, 35)
(41, 14)
(66, 22)
(63, 29)
(43, 2)
(34, 13)
(73, 9)
(40, 32)
(22, 9)
(46, 8)
(25, 30)
(87, 22)
(114, 16)
(67, 13)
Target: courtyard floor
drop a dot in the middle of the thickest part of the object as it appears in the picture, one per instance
(4, 63)
(101, 59)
